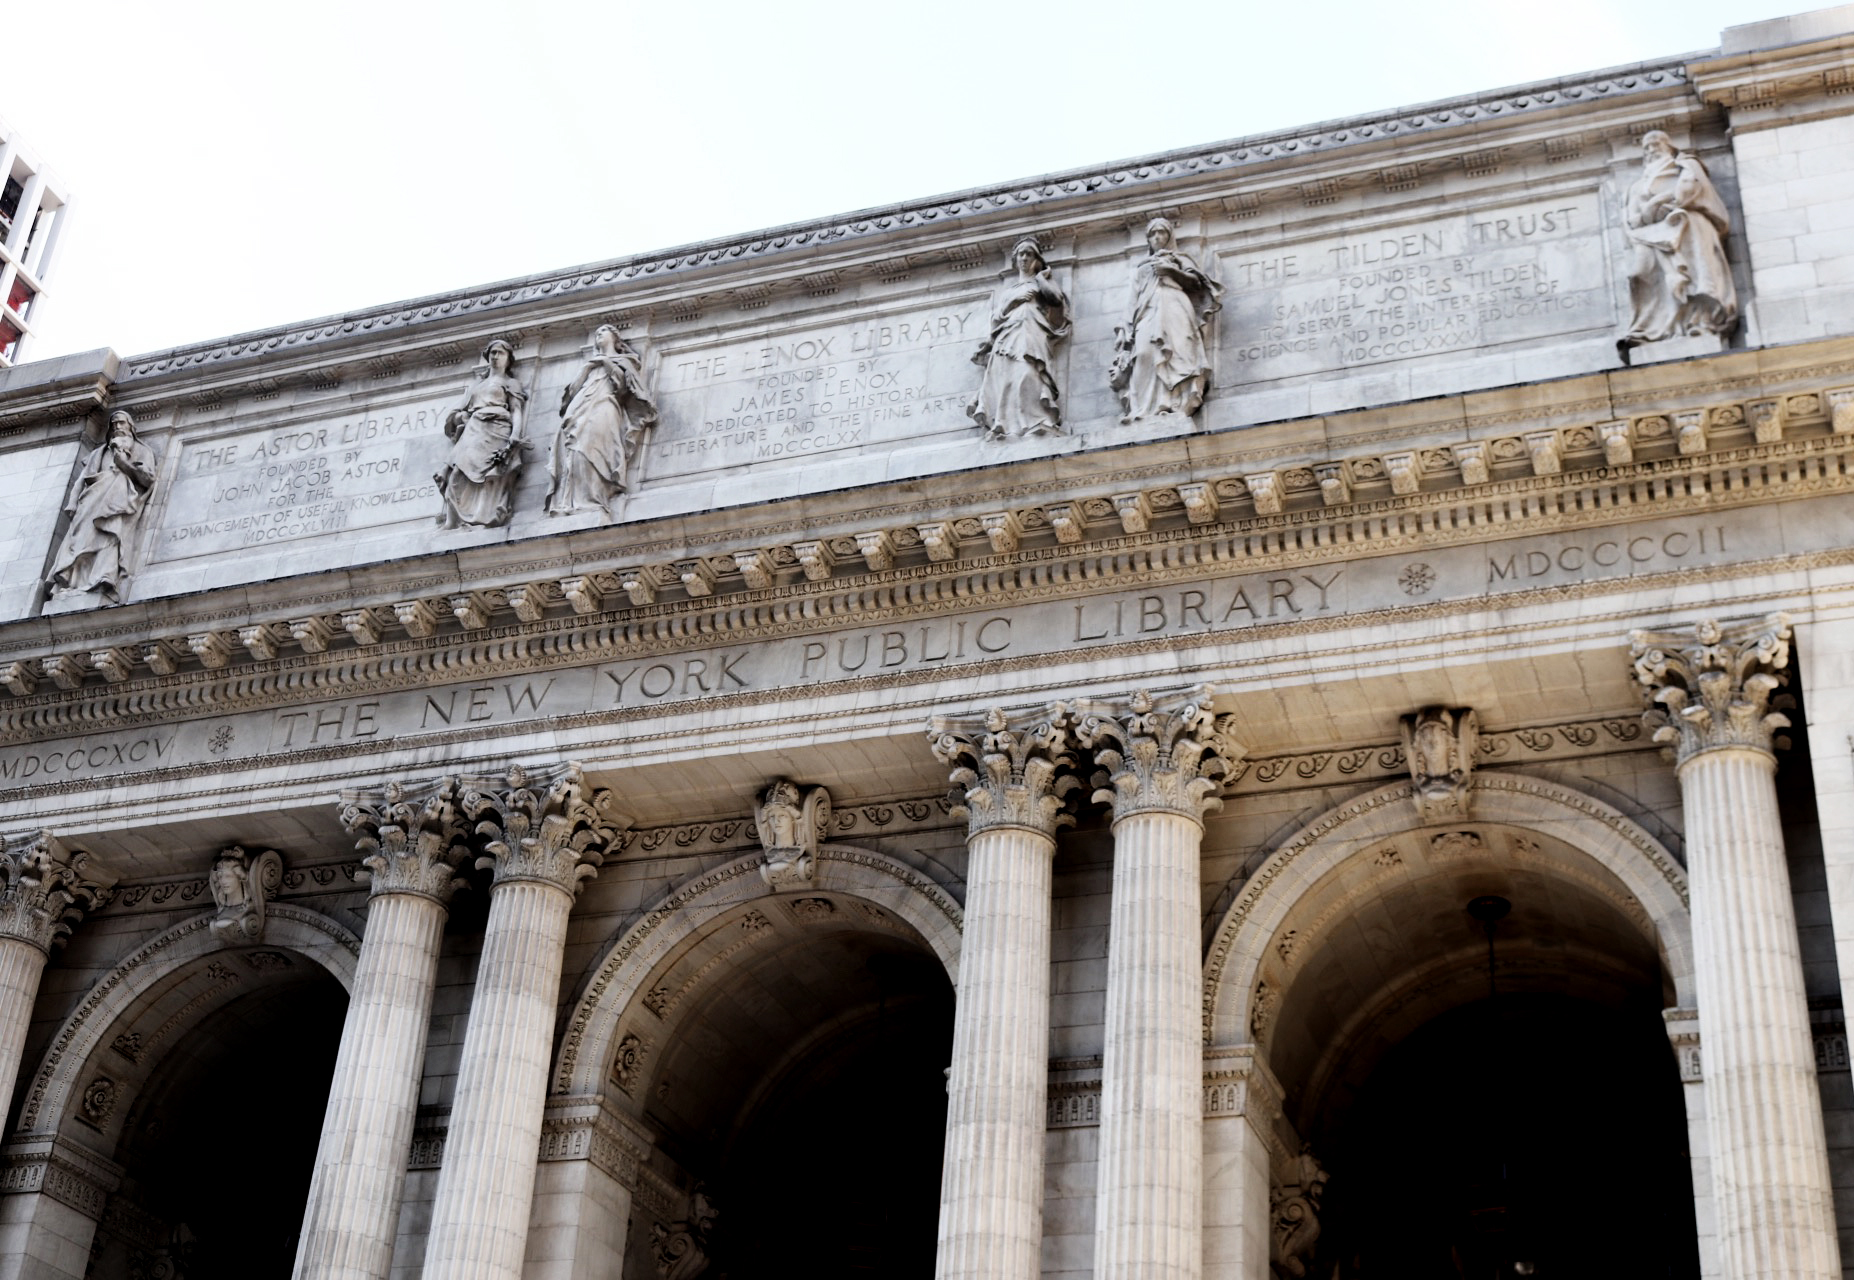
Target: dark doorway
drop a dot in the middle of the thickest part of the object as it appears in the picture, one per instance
(836, 1172)
(1529, 1135)
(220, 1146)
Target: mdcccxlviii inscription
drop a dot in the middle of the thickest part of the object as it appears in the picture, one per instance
(810, 391)
(1449, 284)
(304, 480)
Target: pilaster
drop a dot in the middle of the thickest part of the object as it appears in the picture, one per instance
(1010, 774)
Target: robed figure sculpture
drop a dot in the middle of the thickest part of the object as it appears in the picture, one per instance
(104, 506)
(604, 412)
(1161, 364)
(479, 475)
(1029, 316)
(1680, 284)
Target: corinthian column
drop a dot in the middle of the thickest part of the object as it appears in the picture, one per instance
(1713, 686)
(413, 839)
(1158, 762)
(1009, 777)
(46, 892)
(547, 833)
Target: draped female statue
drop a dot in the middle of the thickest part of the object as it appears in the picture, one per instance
(104, 506)
(1029, 315)
(1161, 364)
(604, 411)
(1680, 284)
(479, 475)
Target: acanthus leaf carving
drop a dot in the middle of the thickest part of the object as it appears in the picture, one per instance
(1710, 684)
(1008, 769)
(1163, 753)
(412, 837)
(47, 889)
(546, 824)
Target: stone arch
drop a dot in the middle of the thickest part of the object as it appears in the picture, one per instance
(288, 927)
(616, 982)
(1522, 801)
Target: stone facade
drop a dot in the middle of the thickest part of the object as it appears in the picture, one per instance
(467, 805)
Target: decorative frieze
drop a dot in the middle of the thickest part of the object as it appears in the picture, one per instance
(1710, 684)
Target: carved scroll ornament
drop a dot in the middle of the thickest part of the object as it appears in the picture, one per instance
(242, 884)
(790, 821)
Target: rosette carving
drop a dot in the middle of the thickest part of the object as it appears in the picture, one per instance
(1008, 770)
(542, 824)
(1164, 753)
(1710, 684)
(412, 836)
(46, 890)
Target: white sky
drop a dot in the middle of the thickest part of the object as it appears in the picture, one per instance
(238, 164)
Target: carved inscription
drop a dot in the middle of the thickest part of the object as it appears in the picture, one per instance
(1033, 630)
(804, 392)
(302, 481)
(1451, 284)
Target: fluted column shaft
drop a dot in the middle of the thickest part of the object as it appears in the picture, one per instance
(1764, 1114)
(1712, 687)
(479, 1223)
(991, 1193)
(1010, 776)
(21, 966)
(360, 1165)
(1147, 1208)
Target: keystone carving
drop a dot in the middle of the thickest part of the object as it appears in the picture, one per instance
(242, 885)
(1162, 753)
(46, 889)
(1710, 684)
(1441, 745)
(1008, 770)
(412, 837)
(544, 825)
(1029, 315)
(791, 820)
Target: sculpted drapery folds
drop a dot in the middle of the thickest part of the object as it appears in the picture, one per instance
(412, 839)
(1165, 753)
(1014, 771)
(104, 507)
(545, 825)
(478, 479)
(45, 890)
(1161, 364)
(1680, 284)
(604, 411)
(1713, 682)
(1029, 316)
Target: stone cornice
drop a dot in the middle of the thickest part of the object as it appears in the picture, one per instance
(1762, 87)
(1168, 178)
(1063, 536)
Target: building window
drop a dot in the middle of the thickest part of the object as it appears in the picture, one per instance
(20, 298)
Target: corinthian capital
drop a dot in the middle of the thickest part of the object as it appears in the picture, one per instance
(1008, 770)
(542, 824)
(1711, 683)
(1161, 753)
(46, 889)
(412, 836)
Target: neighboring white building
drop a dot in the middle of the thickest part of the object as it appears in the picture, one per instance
(1354, 579)
(33, 208)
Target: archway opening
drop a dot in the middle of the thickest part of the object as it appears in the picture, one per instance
(218, 1145)
(806, 1070)
(1491, 1092)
